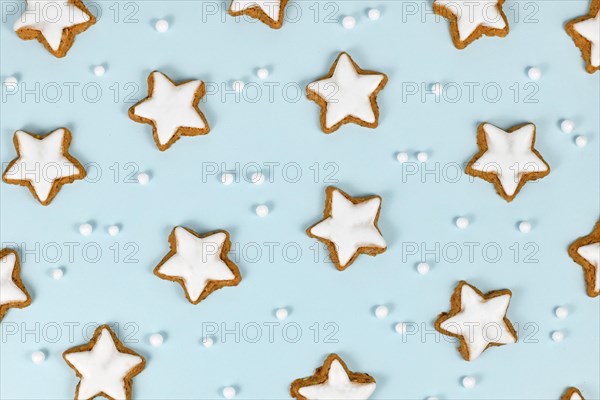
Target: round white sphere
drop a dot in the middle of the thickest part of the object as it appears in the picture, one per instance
(581, 141)
(238, 85)
(281, 313)
(162, 25)
(38, 357)
(422, 156)
(534, 73)
(113, 230)
(262, 73)
(374, 14)
(400, 328)
(437, 88)
(525, 226)
(57, 273)
(423, 268)
(258, 178)
(402, 157)
(557, 336)
(156, 339)
(229, 392)
(227, 178)
(561, 312)
(208, 342)
(462, 222)
(381, 312)
(143, 178)
(469, 382)
(86, 229)
(567, 126)
(349, 22)
(99, 70)
(11, 82)
(262, 210)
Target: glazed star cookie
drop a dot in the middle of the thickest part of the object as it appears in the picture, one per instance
(13, 293)
(43, 163)
(268, 11)
(478, 320)
(347, 94)
(199, 263)
(349, 227)
(54, 23)
(572, 393)
(470, 20)
(171, 109)
(104, 366)
(334, 381)
(507, 158)
(585, 251)
(585, 32)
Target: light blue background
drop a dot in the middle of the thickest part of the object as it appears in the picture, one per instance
(410, 49)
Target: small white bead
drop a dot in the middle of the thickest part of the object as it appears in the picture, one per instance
(238, 85)
(143, 178)
(162, 25)
(422, 156)
(374, 14)
(227, 178)
(262, 73)
(581, 141)
(156, 339)
(258, 178)
(38, 357)
(423, 268)
(381, 312)
(208, 342)
(400, 328)
(57, 273)
(229, 392)
(534, 73)
(349, 22)
(11, 82)
(437, 88)
(561, 312)
(525, 226)
(469, 382)
(113, 230)
(281, 313)
(567, 126)
(262, 210)
(462, 222)
(402, 157)
(558, 336)
(99, 70)
(86, 229)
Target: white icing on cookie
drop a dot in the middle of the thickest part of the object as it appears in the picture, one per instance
(51, 17)
(576, 396)
(480, 321)
(472, 14)
(347, 92)
(591, 253)
(270, 7)
(197, 261)
(590, 30)
(9, 292)
(338, 387)
(509, 155)
(103, 369)
(350, 226)
(171, 107)
(41, 162)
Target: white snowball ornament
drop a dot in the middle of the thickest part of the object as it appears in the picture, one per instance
(227, 178)
(281, 313)
(258, 178)
(423, 268)
(469, 382)
(381, 312)
(86, 229)
(581, 141)
(99, 70)
(262, 73)
(262, 210)
(462, 222)
(113, 230)
(229, 392)
(38, 357)
(402, 157)
(162, 25)
(57, 273)
(534, 73)
(374, 14)
(208, 342)
(422, 156)
(238, 86)
(11, 82)
(349, 22)
(525, 227)
(156, 339)
(557, 336)
(567, 126)
(561, 312)
(143, 178)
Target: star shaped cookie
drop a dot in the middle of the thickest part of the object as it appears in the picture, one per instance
(349, 227)
(13, 293)
(104, 366)
(334, 381)
(478, 320)
(507, 158)
(268, 11)
(347, 94)
(585, 251)
(572, 393)
(199, 263)
(585, 32)
(470, 20)
(43, 163)
(54, 23)
(171, 109)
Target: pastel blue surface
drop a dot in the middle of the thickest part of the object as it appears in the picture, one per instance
(109, 279)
